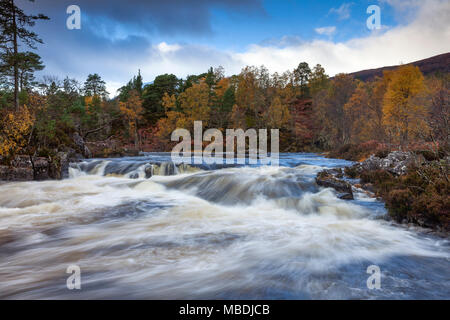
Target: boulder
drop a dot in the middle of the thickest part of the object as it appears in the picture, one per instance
(327, 179)
(41, 168)
(8, 173)
(396, 162)
(148, 171)
(79, 142)
(60, 164)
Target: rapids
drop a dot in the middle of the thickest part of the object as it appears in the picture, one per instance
(143, 227)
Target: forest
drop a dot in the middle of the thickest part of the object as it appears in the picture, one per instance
(313, 111)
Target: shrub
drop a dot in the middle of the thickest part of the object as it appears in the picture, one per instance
(399, 204)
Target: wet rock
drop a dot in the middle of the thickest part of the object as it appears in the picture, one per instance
(396, 162)
(26, 168)
(134, 176)
(327, 179)
(8, 173)
(41, 167)
(59, 167)
(346, 196)
(148, 171)
(79, 142)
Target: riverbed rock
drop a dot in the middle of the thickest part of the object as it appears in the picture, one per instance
(8, 173)
(148, 171)
(26, 168)
(41, 168)
(62, 162)
(328, 179)
(396, 162)
(79, 142)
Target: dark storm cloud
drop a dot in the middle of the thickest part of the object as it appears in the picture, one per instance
(162, 16)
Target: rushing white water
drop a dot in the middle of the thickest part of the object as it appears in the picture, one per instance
(144, 228)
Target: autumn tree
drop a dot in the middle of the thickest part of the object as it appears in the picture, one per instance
(403, 110)
(15, 129)
(356, 112)
(318, 80)
(329, 108)
(249, 98)
(132, 111)
(194, 103)
(438, 102)
(278, 114)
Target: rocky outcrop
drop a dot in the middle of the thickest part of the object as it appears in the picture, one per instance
(8, 173)
(26, 168)
(81, 145)
(396, 162)
(331, 179)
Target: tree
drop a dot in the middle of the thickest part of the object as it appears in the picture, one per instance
(329, 108)
(195, 104)
(403, 113)
(438, 94)
(15, 128)
(132, 110)
(358, 115)
(277, 114)
(13, 27)
(249, 97)
(134, 84)
(318, 80)
(94, 86)
(301, 77)
(153, 93)
(27, 63)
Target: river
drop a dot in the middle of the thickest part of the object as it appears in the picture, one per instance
(208, 232)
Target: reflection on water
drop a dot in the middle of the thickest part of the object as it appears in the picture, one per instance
(145, 228)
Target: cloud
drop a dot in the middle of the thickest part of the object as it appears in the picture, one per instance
(117, 59)
(343, 12)
(425, 36)
(327, 31)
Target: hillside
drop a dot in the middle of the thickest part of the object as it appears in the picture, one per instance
(439, 63)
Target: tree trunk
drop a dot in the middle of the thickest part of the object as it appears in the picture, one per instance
(16, 69)
(136, 137)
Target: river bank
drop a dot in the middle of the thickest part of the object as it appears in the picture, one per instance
(413, 185)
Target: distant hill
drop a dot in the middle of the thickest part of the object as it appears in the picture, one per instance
(439, 63)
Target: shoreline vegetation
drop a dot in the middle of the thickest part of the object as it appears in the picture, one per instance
(46, 124)
(413, 184)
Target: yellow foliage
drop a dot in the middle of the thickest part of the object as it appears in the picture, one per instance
(132, 111)
(14, 129)
(195, 104)
(277, 114)
(221, 87)
(169, 102)
(403, 110)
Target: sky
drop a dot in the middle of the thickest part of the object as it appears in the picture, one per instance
(118, 38)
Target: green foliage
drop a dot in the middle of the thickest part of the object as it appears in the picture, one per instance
(153, 93)
(95, 86)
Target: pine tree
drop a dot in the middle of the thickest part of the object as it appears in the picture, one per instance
(94, 86)
(13, 27)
